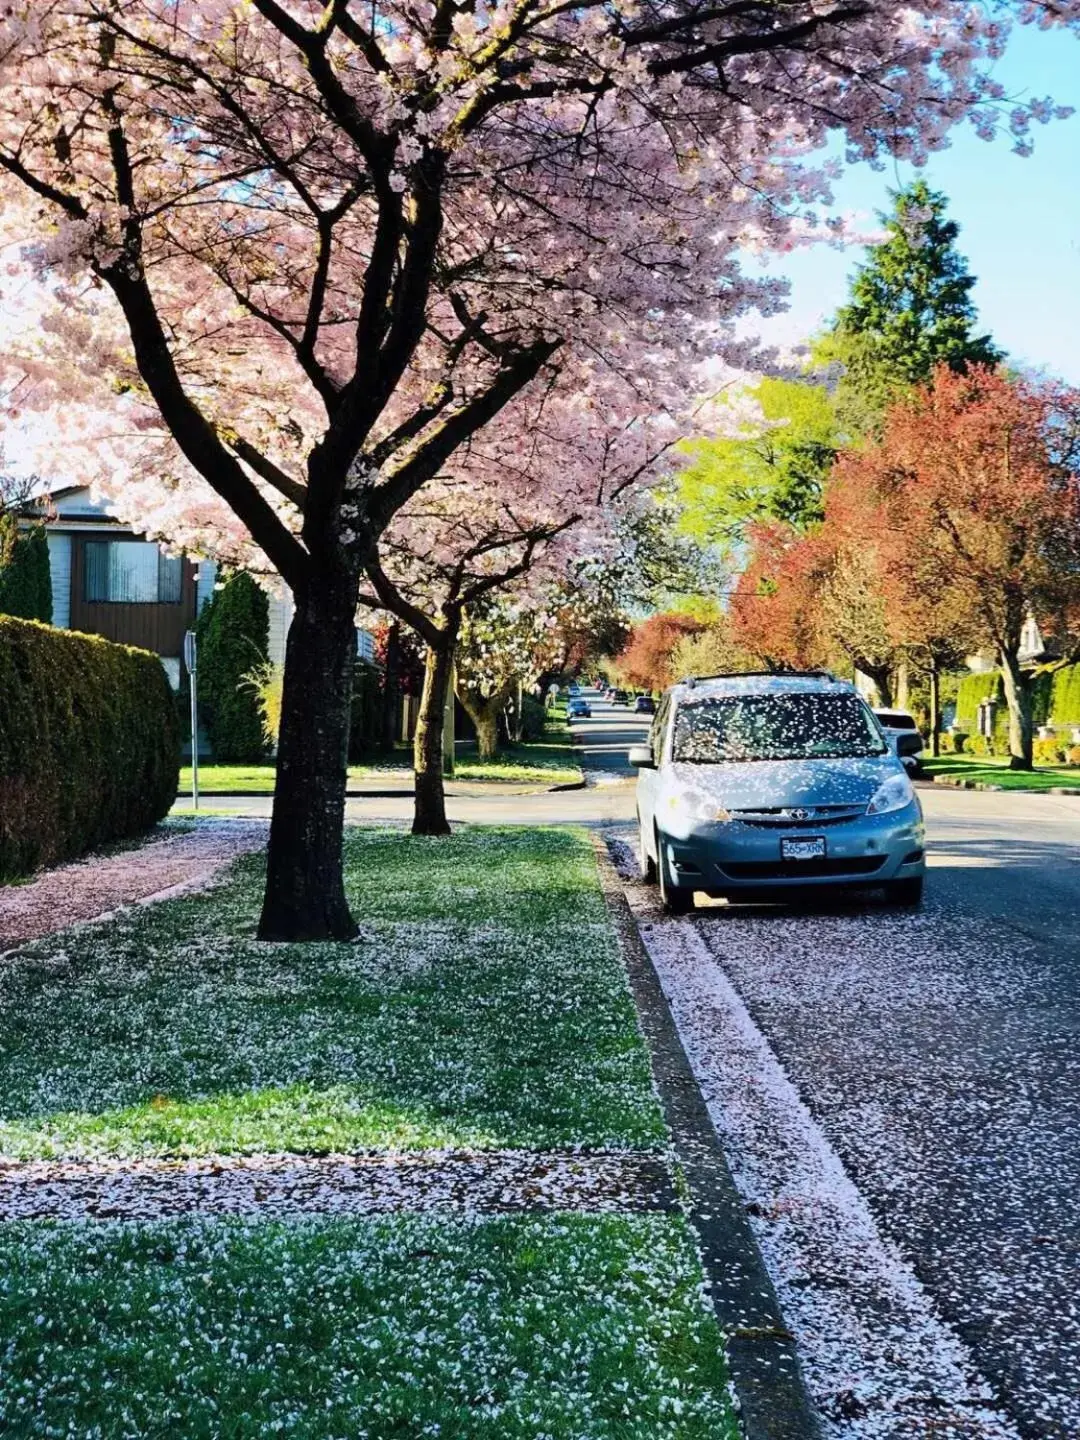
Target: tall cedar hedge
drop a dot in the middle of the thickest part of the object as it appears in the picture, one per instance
(25, 576)
(89, 744)
(234, 638)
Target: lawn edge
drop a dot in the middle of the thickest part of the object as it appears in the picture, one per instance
(774, 1402)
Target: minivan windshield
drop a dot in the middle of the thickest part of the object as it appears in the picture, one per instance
(792, 725)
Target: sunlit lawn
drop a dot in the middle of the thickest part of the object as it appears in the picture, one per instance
(997, 772)
(507, 1329)
(484, 1004)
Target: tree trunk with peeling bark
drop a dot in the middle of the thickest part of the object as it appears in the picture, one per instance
(484, 712)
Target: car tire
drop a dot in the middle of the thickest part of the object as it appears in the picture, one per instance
(646, 864)
(676, 899)
(907, 894)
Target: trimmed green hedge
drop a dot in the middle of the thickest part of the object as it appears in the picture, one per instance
(89, 744)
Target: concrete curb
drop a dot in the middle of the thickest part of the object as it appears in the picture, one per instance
(955, 783)
(773, 1399)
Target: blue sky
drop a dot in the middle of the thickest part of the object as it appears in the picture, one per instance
(1019, 218)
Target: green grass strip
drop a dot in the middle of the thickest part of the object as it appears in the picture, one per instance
(485, 1005)
(571, 1328)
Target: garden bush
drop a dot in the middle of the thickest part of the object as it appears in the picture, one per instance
(89, 744)
(1065, 696)
(25, 577)
(1049, 752)
(1072, 755)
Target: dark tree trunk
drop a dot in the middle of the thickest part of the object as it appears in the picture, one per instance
(882, 677)
(935, 712)
(429, 814)
(305, 892)
(1018, 698)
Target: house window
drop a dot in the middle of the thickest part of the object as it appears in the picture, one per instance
(131, 572)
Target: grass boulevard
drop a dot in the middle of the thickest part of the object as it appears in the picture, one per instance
(471, 1015)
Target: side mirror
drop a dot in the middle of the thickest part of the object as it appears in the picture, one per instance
(641, 756)
(908, 744)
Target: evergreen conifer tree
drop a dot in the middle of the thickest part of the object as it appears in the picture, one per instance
(910, 310)
(25, 577)
(233, 633)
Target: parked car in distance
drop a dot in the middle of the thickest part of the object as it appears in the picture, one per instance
(579, 709)
(756, 785)
(903, 735)
(620, 697)
(573, 689)
(644, 705)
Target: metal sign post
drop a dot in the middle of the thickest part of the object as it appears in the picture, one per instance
(191, 660)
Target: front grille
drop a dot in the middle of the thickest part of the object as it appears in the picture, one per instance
(802, 869)
(815, 815)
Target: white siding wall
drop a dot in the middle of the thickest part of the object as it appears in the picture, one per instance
(281, 613)
(204, 589)
(60, 571)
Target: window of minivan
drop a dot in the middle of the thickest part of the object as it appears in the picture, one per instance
(792, 725)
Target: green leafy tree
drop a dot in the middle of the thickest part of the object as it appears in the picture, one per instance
(773, 468)
(233, 633)
(25, 577)
(910, 310)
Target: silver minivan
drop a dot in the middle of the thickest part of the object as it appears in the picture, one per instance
(752, 785)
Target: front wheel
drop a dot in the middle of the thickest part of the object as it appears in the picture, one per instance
(676, 899)
(646, 864)
(905, 893)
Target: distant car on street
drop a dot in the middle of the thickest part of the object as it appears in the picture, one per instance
(903, 735)
(753, 784)
(579, 709)
(644, 705)
(573, 690)
(620, 697)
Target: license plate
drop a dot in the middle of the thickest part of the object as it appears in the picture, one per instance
(803, 849)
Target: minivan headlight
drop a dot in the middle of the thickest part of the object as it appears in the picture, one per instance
(695, 807)
(893, 794)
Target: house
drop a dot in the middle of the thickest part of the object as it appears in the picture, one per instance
(109, 580)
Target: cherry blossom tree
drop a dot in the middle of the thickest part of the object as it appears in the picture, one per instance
(300, 254)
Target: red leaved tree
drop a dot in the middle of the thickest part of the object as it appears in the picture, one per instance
(647, 659)
(976, 475)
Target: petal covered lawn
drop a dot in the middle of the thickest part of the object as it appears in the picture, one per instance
(484, 1005)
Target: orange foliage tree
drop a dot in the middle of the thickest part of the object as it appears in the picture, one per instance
(646, 661)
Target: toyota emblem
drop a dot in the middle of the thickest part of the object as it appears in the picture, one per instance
(800, 814)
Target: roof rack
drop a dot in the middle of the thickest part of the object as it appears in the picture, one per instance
(691, 680)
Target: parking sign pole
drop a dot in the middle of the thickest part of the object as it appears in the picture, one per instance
(191, 660)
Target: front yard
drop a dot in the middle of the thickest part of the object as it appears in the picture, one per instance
(984, 771)
(483, 1007)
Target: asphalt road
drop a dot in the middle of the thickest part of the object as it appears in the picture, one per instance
(939, 1054)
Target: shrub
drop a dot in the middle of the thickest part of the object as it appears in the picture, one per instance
(533, 718)
(1065, 696)
(1048, 752)
(979, 745)
(267, 684)
(234, 636)
(25, 577)
(365, 714)
(89, 744)
(970, 694)
(1072, 755)
(953, 742)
